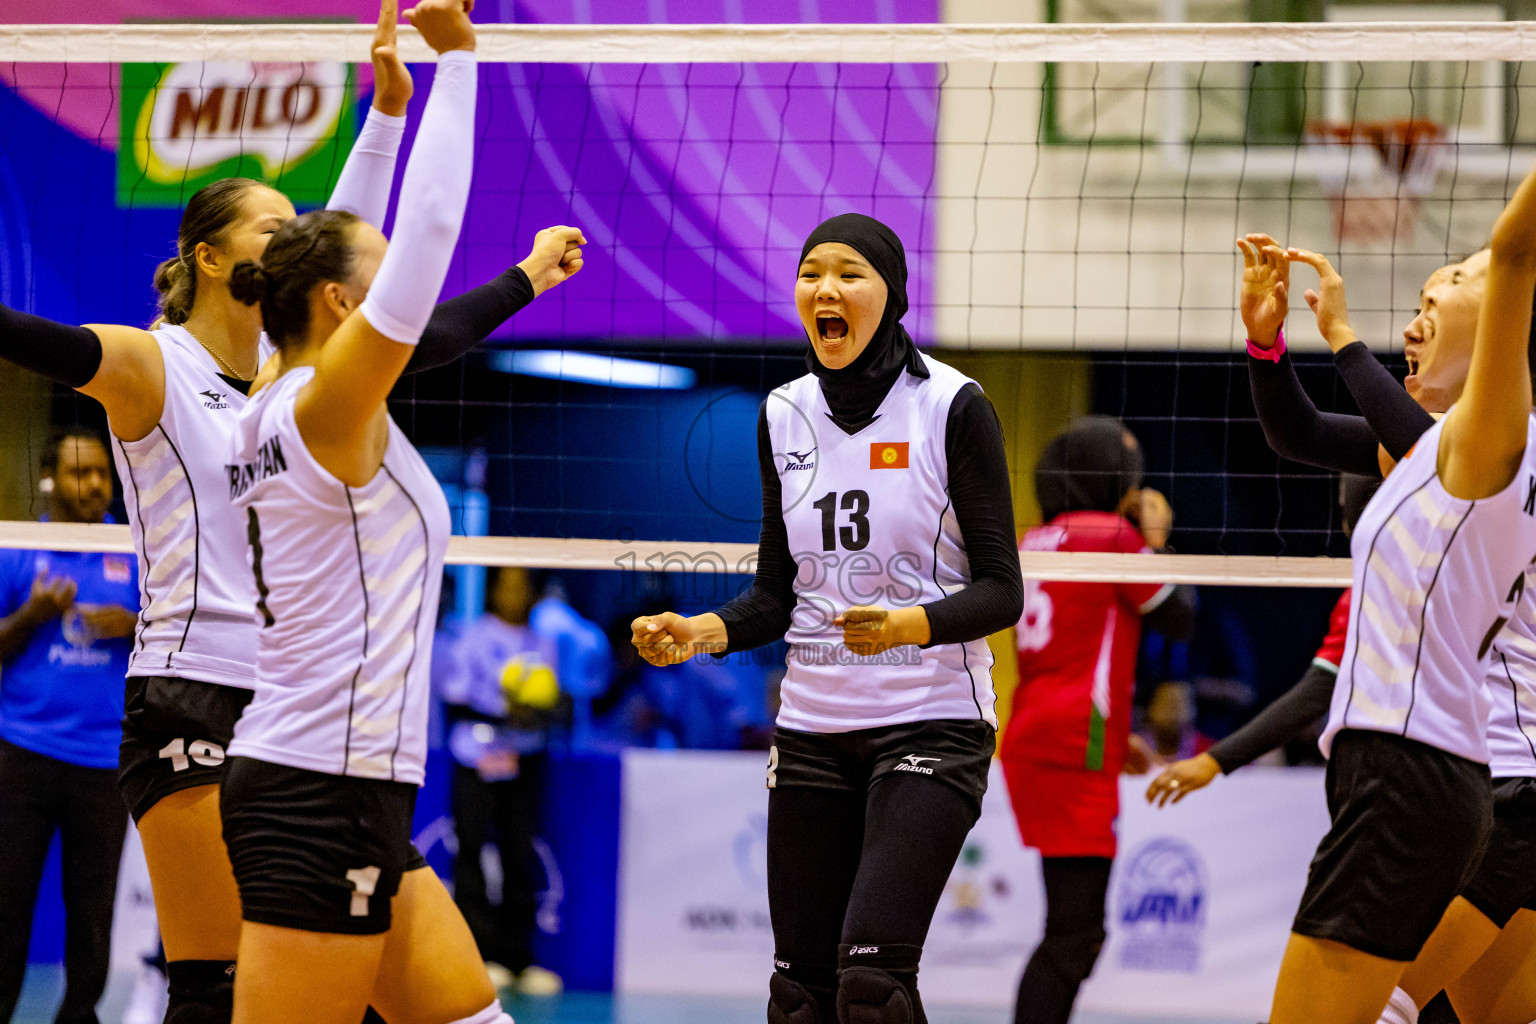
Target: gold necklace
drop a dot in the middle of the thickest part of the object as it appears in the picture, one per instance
(220, 360)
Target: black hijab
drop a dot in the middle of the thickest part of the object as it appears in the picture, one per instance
(1087, 467)
(856, 391)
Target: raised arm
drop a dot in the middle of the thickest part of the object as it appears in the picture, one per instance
(464, 321)
(366, 179)
(1293, 426)
(120, 367)
(1485, 433)
(362, 361)
(1392, 413)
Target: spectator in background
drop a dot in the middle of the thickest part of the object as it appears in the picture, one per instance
(1070, 733)
(65, 629)
(581, 651)
(502, 696)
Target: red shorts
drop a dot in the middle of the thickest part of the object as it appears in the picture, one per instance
(1064, 812)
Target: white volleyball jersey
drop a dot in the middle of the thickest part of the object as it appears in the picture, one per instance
(348, 580)
(870, 522)
(197, 599)
(1434, 580)
(1511, 682)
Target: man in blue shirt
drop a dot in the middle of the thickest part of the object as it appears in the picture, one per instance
(66, 629)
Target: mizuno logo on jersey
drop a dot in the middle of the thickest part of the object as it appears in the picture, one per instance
(268, 463)
(798, 461)
(215, 400)
(913, 763)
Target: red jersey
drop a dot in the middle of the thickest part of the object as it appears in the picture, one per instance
(1332, 652)
(1077, 652)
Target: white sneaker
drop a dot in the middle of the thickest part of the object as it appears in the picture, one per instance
(501, 977)
(146, 1004)
(539, 981)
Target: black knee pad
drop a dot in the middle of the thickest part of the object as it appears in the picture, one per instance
(1070, 954)
(791, 1002)
(877, 984)
(201, 991)
(868, 995)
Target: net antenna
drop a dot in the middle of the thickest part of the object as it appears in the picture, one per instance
(1376, 175)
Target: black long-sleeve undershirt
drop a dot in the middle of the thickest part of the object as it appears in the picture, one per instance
(464, 321)
(1397, 420)
(1296, 429)
(1177, 615)
(1281, 722)
(980, 493)
(71, 355)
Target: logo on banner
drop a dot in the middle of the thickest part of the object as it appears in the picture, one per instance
(1160, 907)
(976, 888)
(187, 125)
(737, 911)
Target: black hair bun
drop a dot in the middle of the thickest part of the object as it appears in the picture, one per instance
(248, 282)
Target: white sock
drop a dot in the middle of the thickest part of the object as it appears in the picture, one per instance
(492, 1014)
(1401, 1009)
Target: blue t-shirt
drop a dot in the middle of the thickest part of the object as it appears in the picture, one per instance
(62, 695)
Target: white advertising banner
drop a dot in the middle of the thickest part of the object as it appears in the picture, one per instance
(1200, 903)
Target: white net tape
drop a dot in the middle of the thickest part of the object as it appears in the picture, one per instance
(667, 556)
(869, 44)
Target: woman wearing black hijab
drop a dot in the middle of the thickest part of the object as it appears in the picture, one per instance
(886, 558)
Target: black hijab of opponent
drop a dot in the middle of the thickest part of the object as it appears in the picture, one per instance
(854, 392)
(1089, 467)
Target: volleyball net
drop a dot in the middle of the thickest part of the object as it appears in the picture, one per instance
(1068, 192)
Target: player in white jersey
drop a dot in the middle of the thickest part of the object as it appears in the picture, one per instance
(172, 395)
(348, 531)
(1432, 554)
(1439, 343)
(887, 556)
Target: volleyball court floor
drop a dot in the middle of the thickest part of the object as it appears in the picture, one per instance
(44, 985)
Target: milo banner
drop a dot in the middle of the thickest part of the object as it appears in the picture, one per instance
(185, 125)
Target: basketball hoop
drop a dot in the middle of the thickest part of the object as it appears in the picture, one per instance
(1376, 175)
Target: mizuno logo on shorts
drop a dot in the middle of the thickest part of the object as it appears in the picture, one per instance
(913, 763)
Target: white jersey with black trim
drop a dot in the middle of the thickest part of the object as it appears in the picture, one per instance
(869, 522)
(197, 599)
(1435, 579)
(1511, 681)
(348, 581)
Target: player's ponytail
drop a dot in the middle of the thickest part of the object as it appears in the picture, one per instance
(305, 253)
(248, 282)
(211, 212)
(177, 288)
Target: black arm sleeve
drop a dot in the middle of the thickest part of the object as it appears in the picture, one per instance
(1279, 723)
(1175, 617)
(982, 496)
(761, 614)
(464, 321)
(65, 354)
(1296, 430)
(1394, 417)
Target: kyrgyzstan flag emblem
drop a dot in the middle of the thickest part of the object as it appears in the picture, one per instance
(888, 455)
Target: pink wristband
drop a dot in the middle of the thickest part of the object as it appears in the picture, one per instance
(1273, 354)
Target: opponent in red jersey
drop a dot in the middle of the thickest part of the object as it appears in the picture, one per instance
(1067, 739)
